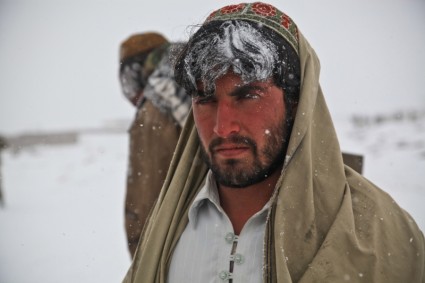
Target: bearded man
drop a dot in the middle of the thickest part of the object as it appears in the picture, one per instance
(257, 190)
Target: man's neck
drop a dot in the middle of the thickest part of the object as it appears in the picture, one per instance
(242, 203)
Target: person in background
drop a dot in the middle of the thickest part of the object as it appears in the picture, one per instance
(147, 81)
(258, 190)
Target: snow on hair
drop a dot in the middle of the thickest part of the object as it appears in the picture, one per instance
(237, 46)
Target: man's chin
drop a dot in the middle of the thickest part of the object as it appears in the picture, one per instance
(233, 165)
(244, 160)
(236, 178)
(233, 174)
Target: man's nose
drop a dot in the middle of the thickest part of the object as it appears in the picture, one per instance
(226, 120)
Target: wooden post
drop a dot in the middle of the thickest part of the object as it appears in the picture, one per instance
(354, 161)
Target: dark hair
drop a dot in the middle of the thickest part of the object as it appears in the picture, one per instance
(260, 53)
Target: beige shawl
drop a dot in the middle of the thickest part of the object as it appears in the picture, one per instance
(327, 223)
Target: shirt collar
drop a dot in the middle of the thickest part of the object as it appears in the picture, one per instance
(209, 192)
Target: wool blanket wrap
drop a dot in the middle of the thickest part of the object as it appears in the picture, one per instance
(327, 222)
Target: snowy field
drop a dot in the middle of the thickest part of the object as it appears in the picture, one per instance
(63, 214)
(62, 218)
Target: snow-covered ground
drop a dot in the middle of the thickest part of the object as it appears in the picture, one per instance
(63, 215)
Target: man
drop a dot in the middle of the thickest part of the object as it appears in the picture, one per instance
(257, 190)
(147, 81)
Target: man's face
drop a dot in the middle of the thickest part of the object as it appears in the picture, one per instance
(242, 130)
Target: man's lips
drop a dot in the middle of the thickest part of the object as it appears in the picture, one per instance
(230, 150)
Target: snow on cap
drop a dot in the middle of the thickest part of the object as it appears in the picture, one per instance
(261, 13)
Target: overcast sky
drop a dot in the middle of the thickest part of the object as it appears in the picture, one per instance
(59, 59)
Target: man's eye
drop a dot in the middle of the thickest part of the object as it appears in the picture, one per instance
(250, 96)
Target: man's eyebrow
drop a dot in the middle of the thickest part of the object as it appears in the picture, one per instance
(240, 91)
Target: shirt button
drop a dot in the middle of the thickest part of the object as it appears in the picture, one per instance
(239, 259)
(230, 237)
(224, 275)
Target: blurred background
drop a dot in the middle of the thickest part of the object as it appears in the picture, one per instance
(64, 118)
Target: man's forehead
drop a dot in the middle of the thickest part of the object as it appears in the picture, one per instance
(234, 82)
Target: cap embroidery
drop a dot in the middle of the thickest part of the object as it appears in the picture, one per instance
(232, 8)
(264, 9)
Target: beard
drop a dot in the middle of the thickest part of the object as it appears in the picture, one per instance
(240, 173)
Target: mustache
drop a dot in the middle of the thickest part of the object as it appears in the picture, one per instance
(233, 139)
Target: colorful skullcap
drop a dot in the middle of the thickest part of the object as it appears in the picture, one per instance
(261, 13)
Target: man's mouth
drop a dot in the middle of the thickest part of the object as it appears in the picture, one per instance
(230, 151)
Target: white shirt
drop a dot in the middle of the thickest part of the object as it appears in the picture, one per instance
(204, 250)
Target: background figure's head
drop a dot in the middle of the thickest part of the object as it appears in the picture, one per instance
(259, 44)
(139, 56)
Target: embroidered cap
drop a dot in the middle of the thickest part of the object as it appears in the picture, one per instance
(261, 13)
